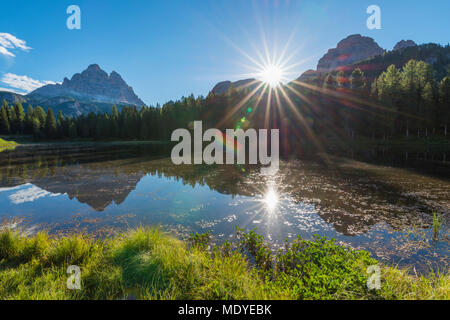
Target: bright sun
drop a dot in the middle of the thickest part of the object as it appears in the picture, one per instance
(272, 75)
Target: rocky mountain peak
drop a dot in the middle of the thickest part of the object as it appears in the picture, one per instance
(116, 78)
(353, 39)
(94, 85)
(404, 44)
(94, 67)
(352, 49)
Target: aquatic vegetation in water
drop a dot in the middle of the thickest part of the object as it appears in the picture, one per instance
(200, 240)
(437, 226)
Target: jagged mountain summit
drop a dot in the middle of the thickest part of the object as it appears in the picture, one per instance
(93, 85)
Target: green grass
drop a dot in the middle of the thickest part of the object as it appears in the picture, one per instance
(148, 264)
(4, 145)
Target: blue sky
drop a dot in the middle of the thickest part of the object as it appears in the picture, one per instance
(167, 49)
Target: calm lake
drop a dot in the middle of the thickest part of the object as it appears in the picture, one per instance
(102, 189)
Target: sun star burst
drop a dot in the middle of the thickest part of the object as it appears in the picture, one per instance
(272, 75)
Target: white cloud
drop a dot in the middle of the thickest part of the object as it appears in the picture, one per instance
(5, 52)
(17, 84)
(23, 83)
(16, 187)
(8, 41)
(30, 194)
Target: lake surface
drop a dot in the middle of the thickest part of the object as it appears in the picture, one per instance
(102, 189)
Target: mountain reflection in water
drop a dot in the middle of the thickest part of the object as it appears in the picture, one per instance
(385, 210)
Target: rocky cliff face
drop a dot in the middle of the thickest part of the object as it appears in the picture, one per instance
(404, 44)
(93, 85)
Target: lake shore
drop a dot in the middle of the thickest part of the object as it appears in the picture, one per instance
(412, 142)
(148, 264)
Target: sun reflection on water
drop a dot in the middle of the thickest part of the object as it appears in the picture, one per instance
(271, 199)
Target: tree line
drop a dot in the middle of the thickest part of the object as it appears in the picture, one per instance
(146, 123)
(406, 101)
(399, 102)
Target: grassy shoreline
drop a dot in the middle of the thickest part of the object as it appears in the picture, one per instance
(148, 264)
(7, 144)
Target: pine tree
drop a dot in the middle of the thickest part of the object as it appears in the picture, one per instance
(106, 125)
(330, 82)
(389, 94)
(341, 79)
(444, 104)
(50, 124)
(357, 80)
(414, 77)
(36, 130)
(20, 117)
(428, 107)
(12, 119)
(4, 119)
(72, 130)
(114, 113)
(99, 128)
(60, 124)
(29, 120)
(60, 116)
(39, 113)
